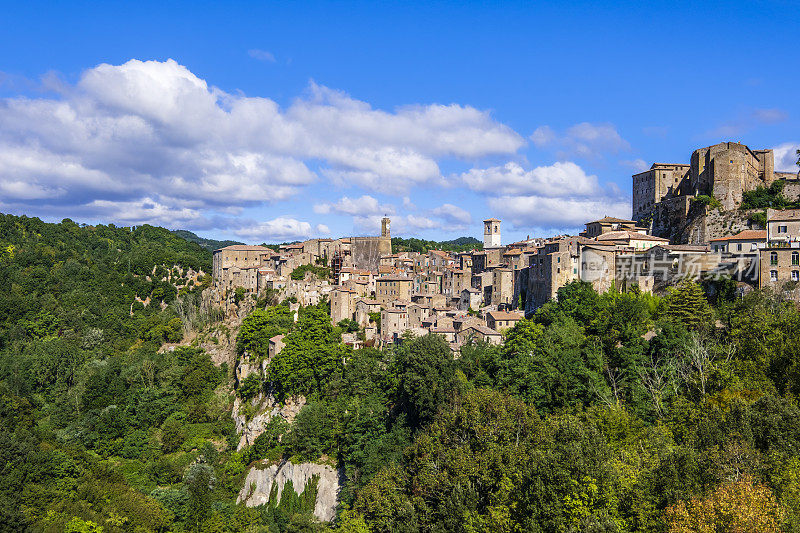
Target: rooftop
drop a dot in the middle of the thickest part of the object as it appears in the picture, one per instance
(505, 315)
(746, 235)
(245, 248)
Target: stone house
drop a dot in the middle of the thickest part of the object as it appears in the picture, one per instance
(275, 346)
(607, 225)
(470, 299)
(393, 323)
(393, 287)
(744, 242)
(478, 333)
(501, 320)
(364, 307)
(779, 264)
(783, 225)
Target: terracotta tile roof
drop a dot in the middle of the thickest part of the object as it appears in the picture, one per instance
(612, 220)
(746, 235)
(629, 235)
(484, 330)
(505, 315)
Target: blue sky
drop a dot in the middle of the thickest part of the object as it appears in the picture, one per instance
(282, 121)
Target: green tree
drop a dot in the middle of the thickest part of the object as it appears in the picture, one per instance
(688, 305)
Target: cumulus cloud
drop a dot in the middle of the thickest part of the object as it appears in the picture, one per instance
(364, 206)
(154, 130)
(453, 214)
(585, 140)
(542, 212)
(279, 229)
(786, 157)
(558, 179)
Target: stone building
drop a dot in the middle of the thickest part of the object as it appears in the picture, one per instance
(502, 286)
(394, 322)
(470, 299)
(783, 225)
(478, 333)
(608, 224)
(393, 287)
(500, 320)
(779, 264)
(724, 170)
(229, 262)
(747, 241)
(343, 304)
(366, 252)
(491, 234)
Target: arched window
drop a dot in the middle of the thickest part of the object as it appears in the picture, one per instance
(773, 258)
(795, 258)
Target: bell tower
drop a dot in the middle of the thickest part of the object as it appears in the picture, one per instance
(385, 230)
(491, 233)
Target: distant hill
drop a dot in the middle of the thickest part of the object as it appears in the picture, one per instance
(208, 244)
(460, 244)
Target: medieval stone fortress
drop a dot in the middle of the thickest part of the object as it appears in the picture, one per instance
(688, 221)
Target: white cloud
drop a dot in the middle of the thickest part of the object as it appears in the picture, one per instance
(261, 55)
(558, 179)
(786, 157)
(453, 214)
(586, 140)
(364, 206)
(638, 165)
(536, 211)
(154, 130)
(279, 229)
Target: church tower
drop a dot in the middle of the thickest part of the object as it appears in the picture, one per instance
(491, 233)
(385, 231)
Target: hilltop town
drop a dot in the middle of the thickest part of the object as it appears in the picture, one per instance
(688, 220)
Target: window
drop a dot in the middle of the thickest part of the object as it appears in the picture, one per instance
(795, 258)
(773, 275)
(773, 258)
(795, 275)
(739, 247)
(782, 229)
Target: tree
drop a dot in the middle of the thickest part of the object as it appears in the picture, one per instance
(260, 326)
(687, 304)
(427, 377)
(740, 506)
(313, 352)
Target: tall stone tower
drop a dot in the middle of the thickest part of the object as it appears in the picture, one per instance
(385, 232)
(491, 233)
(385, 240)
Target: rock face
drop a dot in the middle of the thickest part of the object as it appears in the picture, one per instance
(260, 478)
(266, 408)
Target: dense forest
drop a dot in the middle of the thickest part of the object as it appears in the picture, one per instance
(622, 411)
(461, 244)
(208, 244)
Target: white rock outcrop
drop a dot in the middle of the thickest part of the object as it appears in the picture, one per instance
(258, 484)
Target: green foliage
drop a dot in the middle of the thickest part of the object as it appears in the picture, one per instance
(759, 218)
(426, 377)
(619, 411)
(322, 272)
(461, 244)
(313, 352)
(704, 199)
(208, 244)
(762, 197)
(260, 326)
(688, 305)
